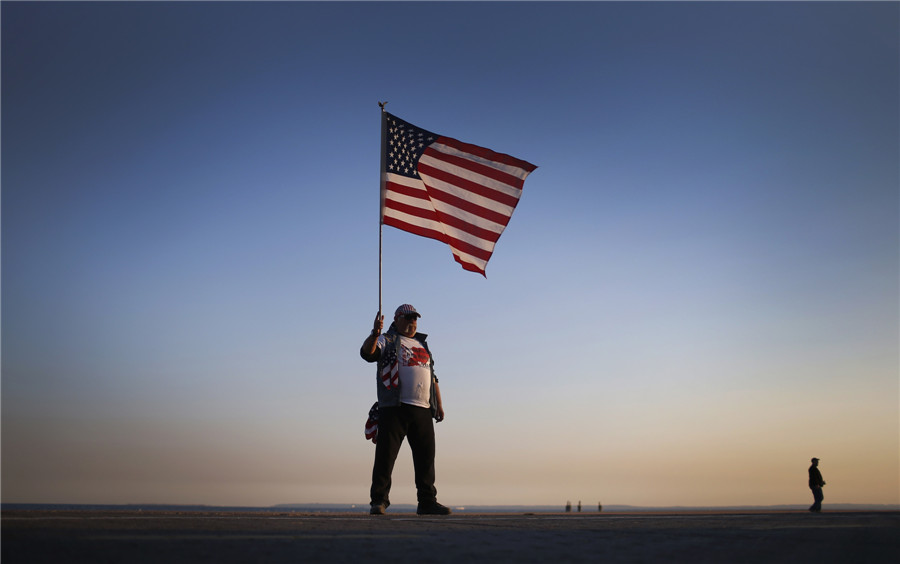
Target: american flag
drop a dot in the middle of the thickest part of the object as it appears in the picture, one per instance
(444, 189)
(372, 424)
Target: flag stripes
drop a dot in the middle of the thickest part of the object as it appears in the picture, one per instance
(372, 424)
(424, 221)
(390, 375)
(454, 192)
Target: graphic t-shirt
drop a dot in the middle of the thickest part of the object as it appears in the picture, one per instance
(415, 371)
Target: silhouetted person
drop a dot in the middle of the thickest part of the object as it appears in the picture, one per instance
(599, 507)
(815, 484)
(568, 507)
(579, 506)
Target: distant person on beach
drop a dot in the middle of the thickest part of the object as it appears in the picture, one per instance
(408, 398)
(815, 484)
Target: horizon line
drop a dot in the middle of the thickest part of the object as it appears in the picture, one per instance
(552, 508)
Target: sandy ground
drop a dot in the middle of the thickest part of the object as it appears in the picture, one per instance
(94, 537)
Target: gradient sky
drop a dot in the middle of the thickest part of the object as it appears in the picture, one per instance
(697, 292)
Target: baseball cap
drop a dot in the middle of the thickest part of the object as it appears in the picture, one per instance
(407, 309)
(814, 460)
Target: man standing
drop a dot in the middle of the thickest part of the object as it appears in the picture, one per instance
(408, 398)
(815, 484)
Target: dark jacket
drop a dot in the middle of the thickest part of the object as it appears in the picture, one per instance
(391, 397)
(815, 477)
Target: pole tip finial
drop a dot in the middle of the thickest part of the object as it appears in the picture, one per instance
(382, 105)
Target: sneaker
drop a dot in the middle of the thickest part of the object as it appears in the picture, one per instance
(433, 508)
(377, 509)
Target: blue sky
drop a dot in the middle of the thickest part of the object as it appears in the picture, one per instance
(700, 280)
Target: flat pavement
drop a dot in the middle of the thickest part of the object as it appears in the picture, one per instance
(172, 537)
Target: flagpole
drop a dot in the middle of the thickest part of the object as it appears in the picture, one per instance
(381, 190)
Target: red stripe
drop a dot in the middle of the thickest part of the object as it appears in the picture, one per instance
(416, 230)
(437, 217)
(469, 267)
(406, 190)
(438, 236)
(444, 219)
(467, 205)
(390, 375)
(469, 185)
(429, 215)
(455, 243)
(476, 167)
(469, 249)
(467, 227)
(487, 153)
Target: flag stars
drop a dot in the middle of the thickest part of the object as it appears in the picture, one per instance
(407, 143)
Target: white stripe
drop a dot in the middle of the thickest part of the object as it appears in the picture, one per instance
(465, 195)
(468, 238)
(464, 215)
(512, 170)
(413, 183)
(430, 205)
(414, 220)
(471, 176)
(468, 258)
(438, 205)
(451, 232)
(409, 200)
(419, 185)
(424, 204)
(469, 218)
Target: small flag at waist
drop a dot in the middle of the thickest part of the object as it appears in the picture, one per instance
(372, 424)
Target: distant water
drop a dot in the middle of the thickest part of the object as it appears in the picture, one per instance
(403, 508)
(130, 507)
(282, 508)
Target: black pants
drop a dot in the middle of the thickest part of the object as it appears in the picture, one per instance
(817, 499)
(416, 425)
